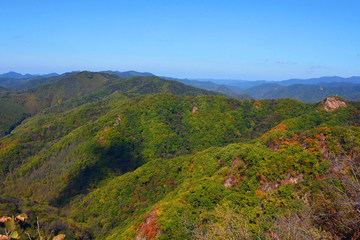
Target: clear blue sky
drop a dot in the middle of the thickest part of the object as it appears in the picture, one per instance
(249, 40)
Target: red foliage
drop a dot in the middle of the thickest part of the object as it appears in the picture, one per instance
(150, 227)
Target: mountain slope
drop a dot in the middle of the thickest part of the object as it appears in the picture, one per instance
(77, 141)
(319, 80)
(126, 167)
(260, 90)
(46, 95)
(149, 158)
(39, 80)
(81, 88)
(7, 82)
(83, 83)
(199, 84)
(3, 91)
(171, 198)
(311, 93)
(11, 114)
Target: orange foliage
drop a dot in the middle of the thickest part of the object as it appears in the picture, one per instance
(190, 166)
(280, 127)
(150, 226)
(257, 104)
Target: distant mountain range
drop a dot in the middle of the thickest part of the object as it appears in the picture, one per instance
(306, 90)
(16, 75)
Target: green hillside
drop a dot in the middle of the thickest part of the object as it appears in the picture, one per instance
(152, 126)
(147, 158)
(11, 114)
(3, 91)
(260, 90)
(8, 82)
(81, 88)
(46, 95)
(195, 83)
(225, 90)
(76, 85)
(191, 196)
(188, 188)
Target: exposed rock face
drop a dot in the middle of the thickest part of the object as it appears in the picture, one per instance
(117, 122)
(229, 181)
(268, 186)
(332, 103)
(292, 180)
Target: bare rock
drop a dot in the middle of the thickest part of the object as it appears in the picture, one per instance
(230, 181)
(332, 103)
(266, 187)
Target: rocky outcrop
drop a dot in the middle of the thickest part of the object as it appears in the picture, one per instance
(290, 179)
(332, 103)
(230, 181)
(117, 122)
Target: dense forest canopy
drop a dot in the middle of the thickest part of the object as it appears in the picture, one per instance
(98, 156)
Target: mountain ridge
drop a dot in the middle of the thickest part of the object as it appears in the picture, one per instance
(16, 75)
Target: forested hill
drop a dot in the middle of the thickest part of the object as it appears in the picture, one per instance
(116, 135)
(48, 94)
(83, 83)
(83, 87)
(3, 91)
(147, 158)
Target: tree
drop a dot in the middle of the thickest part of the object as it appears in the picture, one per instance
(11, 232)
(343, 187)
(234, 224)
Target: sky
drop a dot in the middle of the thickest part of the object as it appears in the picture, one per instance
(227, 39)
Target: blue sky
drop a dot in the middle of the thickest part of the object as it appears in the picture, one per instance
(249, 40)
